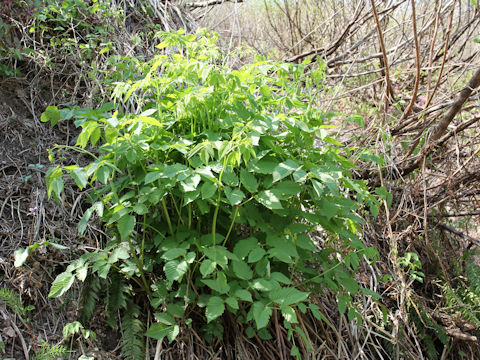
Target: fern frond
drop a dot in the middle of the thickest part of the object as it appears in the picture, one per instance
(90, 293)
(50, 352)
(133, 344)
(13, 301)
(465, 296)
(117, 296)
(429, 331)
(472, 271)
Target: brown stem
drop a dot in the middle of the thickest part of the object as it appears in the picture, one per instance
(417, 61)
(442, 126)
(445, 50)
(432, 46)
(384, 55)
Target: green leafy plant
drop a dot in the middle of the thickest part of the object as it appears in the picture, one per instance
(50, 352)
(411, 264)
(133, 329)
(210, 181)
(465, 295)
(21, 255)
(75, 328)
(429, 331)
(62, 23)
(13, 301)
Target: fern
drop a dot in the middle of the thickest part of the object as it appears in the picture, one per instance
(429, 331)
(50, 352)
(116, 298)
(13, 301)
(133, 333)
(472, 271)
(89, 298)
(465, 296)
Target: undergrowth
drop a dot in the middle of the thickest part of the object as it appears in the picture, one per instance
(465, 295)
(13, 301)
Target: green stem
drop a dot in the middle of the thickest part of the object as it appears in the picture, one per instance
(217, 208)
(143, 240)
(215, 215)
(77, 149)
(231, 225)
(167, 217)
(140, 268)
(319, 275)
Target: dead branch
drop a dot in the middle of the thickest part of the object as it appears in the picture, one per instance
(442, 126)
(202, 4)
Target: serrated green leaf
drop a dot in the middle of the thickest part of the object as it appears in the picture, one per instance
(328, 208)
(318, 187)
(280, 278)
(289, 314)
(349, 284)
(303, 241)
(248, 180)
(287, 296)
(268, 199)
(244, 246)
(284, 252)
(263, 285)
(51, 114)
(243, 294)
(191, 183)
(56, 185)
(287, 189)
(149, 120)
(263, 166)
(83, 223)
(120, 253)
(261, 314)
(299, 176)
(215, 308)
(229, 177)
(235, 196)
(242, 270)
(219, 284)
(256, 254)
(208, 189)
(190, 257)
(176, 310)
(371, 293)
(152, 176)
(208, 266)
(174, 253)
(219, 254)
(165, 318)
(79, 175)
(61, 284)
(342, 303)
(318, 315)
(103, 174)
(284, 169)
(174, 270)
(125, 226)
(21, 255)
(140, 209)
(158, 331)
(232, 302)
